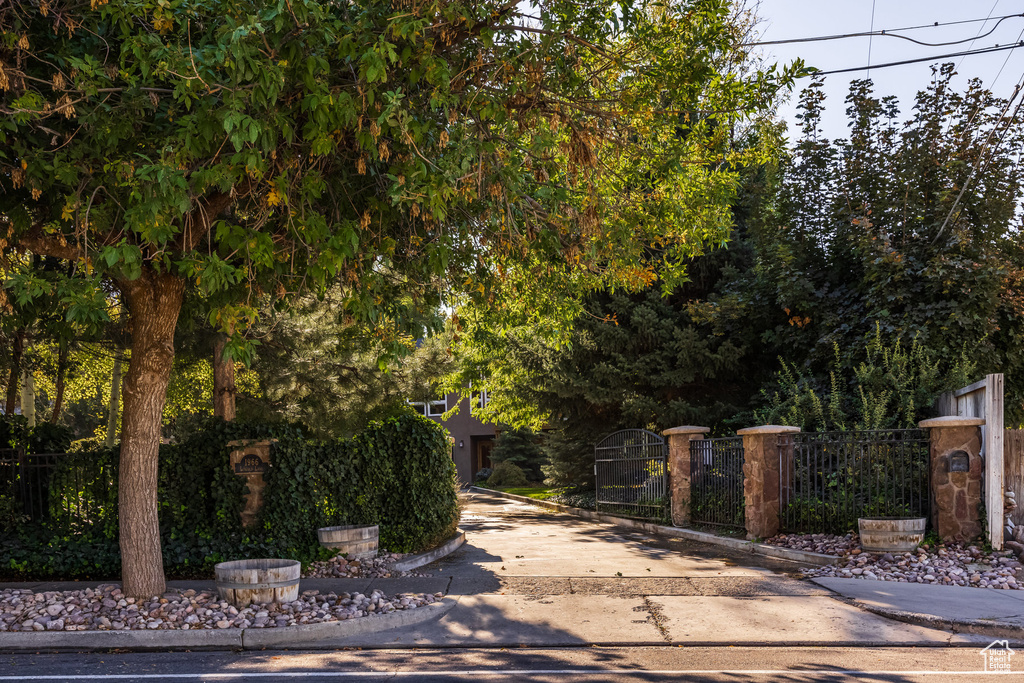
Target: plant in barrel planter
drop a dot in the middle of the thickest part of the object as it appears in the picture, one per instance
(355, 541)
(891, 534)
(243, 582)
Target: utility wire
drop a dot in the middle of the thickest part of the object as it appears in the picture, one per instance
(994, 5)
(981, 154)
(890, 32)
(980, 51)
(871, 36)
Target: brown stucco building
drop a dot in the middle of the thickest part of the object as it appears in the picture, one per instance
(472, 439)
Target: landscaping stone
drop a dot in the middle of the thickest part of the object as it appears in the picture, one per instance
(379, 567)
(827, 544)
(950, 565)
(105, 608)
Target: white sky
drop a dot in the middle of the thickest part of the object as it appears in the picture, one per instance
(785, 19)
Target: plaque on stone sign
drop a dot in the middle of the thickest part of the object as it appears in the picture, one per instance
(251, 459)
(959, 461)
(250, 464)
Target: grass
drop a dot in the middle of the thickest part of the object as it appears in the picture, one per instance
(538, 492)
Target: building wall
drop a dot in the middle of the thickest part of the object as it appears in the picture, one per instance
(472, 439)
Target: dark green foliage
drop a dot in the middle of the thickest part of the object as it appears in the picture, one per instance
(586, 500)
(570, 451)
(398, 474)
(46, 437)
(893, 388)
(13, 431)
(507, 474)
(520, 447)
(865, 235)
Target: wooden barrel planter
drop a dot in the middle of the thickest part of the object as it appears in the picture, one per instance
(891, 534)
(244, 582)
(356, 541)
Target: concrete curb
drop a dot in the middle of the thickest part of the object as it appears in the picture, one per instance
(303, 634)
(978, 627)
(799, 556)
(420, 559)
(226, 639)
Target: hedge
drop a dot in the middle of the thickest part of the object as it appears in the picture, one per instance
(398, 474)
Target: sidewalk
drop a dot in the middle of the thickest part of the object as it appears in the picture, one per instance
(983, 611)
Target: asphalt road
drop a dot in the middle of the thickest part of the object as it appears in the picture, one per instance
(561, 665)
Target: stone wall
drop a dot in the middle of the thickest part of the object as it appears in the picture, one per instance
(957, 472)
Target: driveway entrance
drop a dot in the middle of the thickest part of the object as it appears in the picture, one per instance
(529, 576)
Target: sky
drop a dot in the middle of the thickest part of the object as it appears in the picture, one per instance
(787, 19)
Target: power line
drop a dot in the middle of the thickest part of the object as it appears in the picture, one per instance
(871, 37)
(891, 33)
(993, 9)
(981, 154)
(980, 51)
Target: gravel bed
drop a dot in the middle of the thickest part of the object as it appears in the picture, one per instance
(338, 567)
(105, 608)
(828, 544)
(949, 564)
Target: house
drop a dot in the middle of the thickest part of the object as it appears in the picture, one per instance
(472, 440)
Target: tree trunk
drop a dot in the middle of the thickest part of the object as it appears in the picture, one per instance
(114, 403)
(17, 351)
(223, 381)
(62, 371)
(28, 397)
(154, 302)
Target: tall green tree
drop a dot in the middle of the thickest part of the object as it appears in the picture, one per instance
(241, 148)
(909, 226)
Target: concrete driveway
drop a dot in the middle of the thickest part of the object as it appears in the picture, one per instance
(528, 576)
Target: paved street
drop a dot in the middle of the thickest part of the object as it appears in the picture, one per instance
(563, 665)
(549, 597)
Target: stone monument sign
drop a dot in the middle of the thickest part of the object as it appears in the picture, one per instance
(250, 459)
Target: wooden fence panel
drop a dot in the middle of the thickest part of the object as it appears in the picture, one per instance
(1013, 462)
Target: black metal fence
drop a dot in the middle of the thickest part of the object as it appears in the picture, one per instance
(716, 482)
(631, 474)
(65, 490)
(829, 479)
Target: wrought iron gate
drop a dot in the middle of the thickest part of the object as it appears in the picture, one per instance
(716, 482)
(631, 474)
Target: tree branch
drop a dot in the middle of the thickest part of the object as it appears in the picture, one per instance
(47, 245)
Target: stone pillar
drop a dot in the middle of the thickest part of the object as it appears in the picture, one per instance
(761, 477)
(250, 459)
(679, 439)
(956, 472)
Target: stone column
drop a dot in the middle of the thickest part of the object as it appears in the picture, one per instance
(761, 477)
(679, 439)
(250, 459)
(956, 472)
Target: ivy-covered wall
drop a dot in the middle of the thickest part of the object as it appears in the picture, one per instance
(398, 474)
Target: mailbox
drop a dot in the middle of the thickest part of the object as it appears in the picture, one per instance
(959, 461)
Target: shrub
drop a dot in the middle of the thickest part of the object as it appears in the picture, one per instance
(507, 474)
(398, 474)
(484, 474)
(519, 447)
(893, 388)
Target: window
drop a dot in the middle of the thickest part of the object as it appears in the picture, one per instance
(479, 400)
(434, 408)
